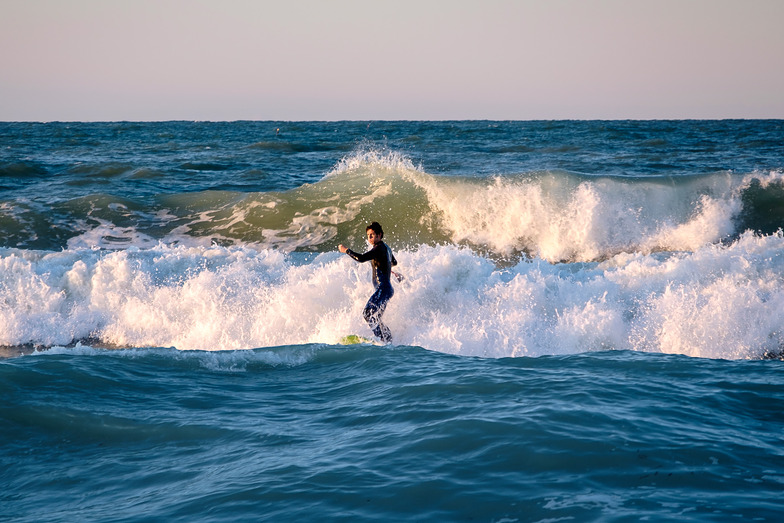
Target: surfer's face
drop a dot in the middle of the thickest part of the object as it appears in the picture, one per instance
(372, 237)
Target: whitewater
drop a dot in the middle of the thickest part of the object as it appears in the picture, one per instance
(718, 302)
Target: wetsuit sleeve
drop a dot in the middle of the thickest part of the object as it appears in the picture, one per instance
(392, 256)
(360, 257)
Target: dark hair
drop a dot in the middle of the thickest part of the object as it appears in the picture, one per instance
(376, 228)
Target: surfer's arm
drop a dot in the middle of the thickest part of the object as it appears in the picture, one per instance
(393, 261)
(355, 255)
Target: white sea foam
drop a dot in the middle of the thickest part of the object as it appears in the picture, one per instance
(370, 157)
(559, 217)
(720, 301)
(106, 235)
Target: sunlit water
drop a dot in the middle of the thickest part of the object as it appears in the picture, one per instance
(589, 327)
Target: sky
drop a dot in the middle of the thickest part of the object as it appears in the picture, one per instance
(152, 60)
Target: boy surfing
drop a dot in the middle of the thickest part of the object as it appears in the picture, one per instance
(382, 261)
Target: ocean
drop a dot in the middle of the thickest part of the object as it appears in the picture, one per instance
(589, 327)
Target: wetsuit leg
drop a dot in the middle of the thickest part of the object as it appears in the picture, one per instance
(375, 307)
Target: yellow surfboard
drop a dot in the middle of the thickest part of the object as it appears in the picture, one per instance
(353, 339)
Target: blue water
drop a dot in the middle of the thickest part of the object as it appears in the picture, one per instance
(589, 328)
(321, 432)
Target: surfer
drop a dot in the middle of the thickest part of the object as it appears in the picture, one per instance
(382, 260)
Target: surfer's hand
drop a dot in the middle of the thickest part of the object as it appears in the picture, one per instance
(342, 248)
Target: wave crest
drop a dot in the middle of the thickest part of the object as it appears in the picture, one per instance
(557, 216)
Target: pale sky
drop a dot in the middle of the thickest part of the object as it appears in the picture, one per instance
(404, 59)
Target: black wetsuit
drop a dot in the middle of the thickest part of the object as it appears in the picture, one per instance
(382, 260)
